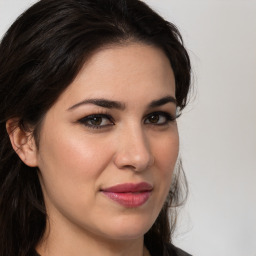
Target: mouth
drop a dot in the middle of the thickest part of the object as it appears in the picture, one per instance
(129, 195)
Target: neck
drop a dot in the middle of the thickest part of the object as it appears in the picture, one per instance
(80, 243)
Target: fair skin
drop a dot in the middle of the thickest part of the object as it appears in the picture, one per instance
(132, 140)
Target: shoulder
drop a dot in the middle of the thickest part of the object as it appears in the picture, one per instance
(172, 250)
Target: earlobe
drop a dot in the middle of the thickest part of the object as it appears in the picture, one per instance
(22, 142)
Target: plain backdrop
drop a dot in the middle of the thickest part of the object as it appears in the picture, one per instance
(218, 129)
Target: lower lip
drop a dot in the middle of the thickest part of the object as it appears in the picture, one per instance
(129, 200)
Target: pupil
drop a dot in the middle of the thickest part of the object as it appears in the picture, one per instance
(96, 120)
(154, 118)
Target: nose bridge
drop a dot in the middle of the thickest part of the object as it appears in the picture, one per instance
(134, 148)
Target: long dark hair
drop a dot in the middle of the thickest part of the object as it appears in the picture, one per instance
(40, 55)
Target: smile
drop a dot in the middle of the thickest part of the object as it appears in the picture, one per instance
(129, 195)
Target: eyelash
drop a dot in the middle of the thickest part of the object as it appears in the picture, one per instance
(160, 114)
(85, 121)
(168, 118)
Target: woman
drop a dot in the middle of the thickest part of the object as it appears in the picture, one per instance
(90, 92)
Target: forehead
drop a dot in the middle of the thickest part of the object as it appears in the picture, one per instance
(123, 72)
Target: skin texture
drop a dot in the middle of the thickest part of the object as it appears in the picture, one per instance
(130, 145)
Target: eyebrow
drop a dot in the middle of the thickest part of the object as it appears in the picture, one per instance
(121, 106)
(101, 103)
(162, 101)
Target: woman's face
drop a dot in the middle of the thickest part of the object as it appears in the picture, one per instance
(109, 144)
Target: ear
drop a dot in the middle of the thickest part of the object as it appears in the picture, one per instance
(22, 142)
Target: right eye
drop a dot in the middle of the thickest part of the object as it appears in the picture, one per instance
(97, 121)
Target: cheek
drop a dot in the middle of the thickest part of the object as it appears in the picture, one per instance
(70, 169)
(71, 163)
(79, 153)
(166, 154)
(166, 150)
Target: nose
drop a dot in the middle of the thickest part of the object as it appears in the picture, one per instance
(133, 151)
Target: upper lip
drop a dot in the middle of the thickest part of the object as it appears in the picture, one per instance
(129, 187)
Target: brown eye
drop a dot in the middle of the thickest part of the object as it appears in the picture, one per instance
(153, 119)
(97, 121)
(159, 118)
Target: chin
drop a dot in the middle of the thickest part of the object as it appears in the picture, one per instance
(130, 228)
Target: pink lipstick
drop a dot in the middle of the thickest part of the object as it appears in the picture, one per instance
(129, 195)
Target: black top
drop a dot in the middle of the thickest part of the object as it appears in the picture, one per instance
(176, 251)
(170, 250)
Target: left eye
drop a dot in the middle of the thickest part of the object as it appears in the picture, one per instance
(96, 121)
(159, 118)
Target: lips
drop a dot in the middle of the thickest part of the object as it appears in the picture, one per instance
(129, 195)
